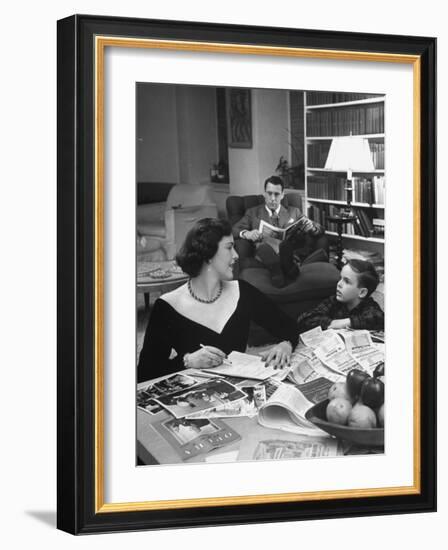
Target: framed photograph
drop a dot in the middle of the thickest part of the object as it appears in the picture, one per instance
(226, 352)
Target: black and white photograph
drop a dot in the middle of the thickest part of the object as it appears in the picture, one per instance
(190, 438)
(260, 236)
(126, 125)
(204, 396)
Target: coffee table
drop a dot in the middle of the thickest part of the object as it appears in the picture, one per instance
(148, 280)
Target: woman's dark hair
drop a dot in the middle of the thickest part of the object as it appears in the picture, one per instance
(201, 244)
(367, 275)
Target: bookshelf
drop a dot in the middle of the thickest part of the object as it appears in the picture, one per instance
(329, 115)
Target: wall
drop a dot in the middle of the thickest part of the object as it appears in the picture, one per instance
(157, 139)
(250, 167)
(177, 133)
(197, 132)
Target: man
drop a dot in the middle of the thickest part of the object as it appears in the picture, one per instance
(281, 257)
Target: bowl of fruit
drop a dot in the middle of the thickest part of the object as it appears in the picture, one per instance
(354, 409)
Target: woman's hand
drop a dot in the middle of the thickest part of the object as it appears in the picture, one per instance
(278, 356)
(205, 358)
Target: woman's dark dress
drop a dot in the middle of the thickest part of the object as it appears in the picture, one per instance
(167, 329)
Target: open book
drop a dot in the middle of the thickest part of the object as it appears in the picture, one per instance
(281, 234)
(285, 410)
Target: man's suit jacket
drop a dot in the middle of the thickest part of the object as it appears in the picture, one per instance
(287, 216)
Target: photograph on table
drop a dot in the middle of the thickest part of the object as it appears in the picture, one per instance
(260, 253)
(202, 397)
(190, 438)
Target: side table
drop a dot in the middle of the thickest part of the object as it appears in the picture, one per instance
(146, 283)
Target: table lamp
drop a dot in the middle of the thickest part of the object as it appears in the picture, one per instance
(349, 154)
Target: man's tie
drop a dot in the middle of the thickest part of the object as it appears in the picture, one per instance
(274, 218)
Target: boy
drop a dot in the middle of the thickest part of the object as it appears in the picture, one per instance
(352, 306)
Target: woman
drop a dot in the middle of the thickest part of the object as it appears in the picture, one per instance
(199, 323)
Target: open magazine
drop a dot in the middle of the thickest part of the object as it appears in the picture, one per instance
(244, 365)
(281, 234)
(285, 410)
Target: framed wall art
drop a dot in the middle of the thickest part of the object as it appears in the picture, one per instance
(239, 117)
(227, 353)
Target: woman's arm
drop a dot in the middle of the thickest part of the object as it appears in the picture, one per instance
(154, 358)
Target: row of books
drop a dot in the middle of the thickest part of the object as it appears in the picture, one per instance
(330, 187)
(364, 225)
(317, 154)
(377, 151)
(369, 190)
(343, 121)
(378, 190)
(333, 187)
(323, 98)
(320, 214)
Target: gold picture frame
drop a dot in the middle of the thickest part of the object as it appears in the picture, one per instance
(81, 112)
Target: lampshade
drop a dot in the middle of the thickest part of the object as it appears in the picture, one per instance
(350, 154)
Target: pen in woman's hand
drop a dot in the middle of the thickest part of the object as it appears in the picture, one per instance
(218, 352)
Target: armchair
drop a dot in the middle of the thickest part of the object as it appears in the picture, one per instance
(316, 281)
(162, 226)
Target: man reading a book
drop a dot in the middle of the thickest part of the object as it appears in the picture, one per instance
(281, 253)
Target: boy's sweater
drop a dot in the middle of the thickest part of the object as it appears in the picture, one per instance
(366, 315)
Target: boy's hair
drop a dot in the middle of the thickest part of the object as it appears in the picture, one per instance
(367, 275)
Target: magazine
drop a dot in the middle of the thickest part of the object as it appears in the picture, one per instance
(146, 396)
(310, 447)
(306, 367)
(270, 444)
(316, 390)
(285, 410)
(312, 338)
(244, 365)
(369, 358)
(190, 438)
(330, 344)
(249, 406)
(280, 233)
(207, 395)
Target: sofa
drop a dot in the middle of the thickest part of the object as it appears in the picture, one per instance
(165, 213)
(315, 282)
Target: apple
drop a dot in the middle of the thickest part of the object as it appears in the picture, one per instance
(379, 370)
(339, 389)
(380, 416)
(361, 416)
(355, 379)
(338, 410)
(372, 392)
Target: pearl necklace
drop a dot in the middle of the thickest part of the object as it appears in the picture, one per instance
(202, 300)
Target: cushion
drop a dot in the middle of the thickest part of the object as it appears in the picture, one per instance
(316, 281)
(186, 194)
(151, 213)
(152, 191)
(150, 244)
(152, 229)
